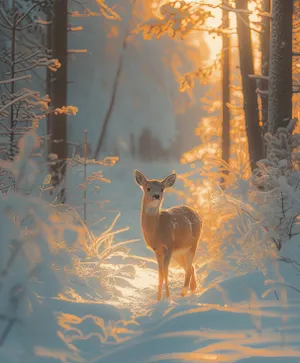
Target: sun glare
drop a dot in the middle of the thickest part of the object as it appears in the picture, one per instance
(214, 41)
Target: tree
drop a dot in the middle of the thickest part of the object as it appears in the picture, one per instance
(255, 141)
(132, 146)
(19, 105)
(58, 93)
(280, 74)
(225, 87)
(265, 60)
(22, 109)
(58, 85)
(145, 144)
(113, 96)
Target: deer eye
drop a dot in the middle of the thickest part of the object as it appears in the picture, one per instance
(162, 190)
(148, 189)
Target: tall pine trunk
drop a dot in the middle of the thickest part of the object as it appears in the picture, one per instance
(49, 78)
(265, 61)
(255, 143)
(58, 96)
(280, 74)
(225, 88)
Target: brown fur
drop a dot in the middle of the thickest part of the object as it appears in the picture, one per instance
(171, 233)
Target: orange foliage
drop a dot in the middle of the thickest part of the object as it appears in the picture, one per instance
(176, 18)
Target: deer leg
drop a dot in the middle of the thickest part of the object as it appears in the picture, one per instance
(193, 282)
(182, 262)
(160, 262)
(187, 279)
(167, 259)
(188, 272)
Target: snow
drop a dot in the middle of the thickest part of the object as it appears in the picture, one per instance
(104, 310)
(76, 293)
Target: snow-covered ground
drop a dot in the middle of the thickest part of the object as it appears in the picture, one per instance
(111, 314)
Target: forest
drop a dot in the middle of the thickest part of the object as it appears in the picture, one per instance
(149, 181)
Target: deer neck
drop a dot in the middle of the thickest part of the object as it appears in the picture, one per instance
(150, 220)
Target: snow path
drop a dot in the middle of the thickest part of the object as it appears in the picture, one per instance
(224, 322)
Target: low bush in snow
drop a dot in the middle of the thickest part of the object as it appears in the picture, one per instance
(45, 252)
(247, 222)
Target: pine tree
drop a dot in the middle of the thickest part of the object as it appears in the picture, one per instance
(280, 74)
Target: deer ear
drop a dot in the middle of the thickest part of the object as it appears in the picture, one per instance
(140, 178)
(169, 180)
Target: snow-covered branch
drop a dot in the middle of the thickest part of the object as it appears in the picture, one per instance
(261, 92)
(15, 100)
(77, 51)
(258, 76)
(21, 78)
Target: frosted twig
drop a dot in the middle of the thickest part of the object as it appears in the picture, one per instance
(7, 330)
(15, 100)
(4, 26)
(27, 76)
(75, 28)
(104, 7)
(25, 27)
(262, 92)
(24, 58)
(77, 51)
(258, 76)
(8, 22)
(43, 62)
(42, 22)
(26, 14)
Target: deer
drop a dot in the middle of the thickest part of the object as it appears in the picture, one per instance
(171, 233)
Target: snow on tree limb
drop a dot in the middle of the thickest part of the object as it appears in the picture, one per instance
(21, 78)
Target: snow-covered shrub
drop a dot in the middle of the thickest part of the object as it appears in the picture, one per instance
(282, 157)
(222, 224)
(275, 187)
(261, 212)
(246, 221)
(25, 233)
(43, 258)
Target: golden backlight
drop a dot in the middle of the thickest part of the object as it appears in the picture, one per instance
(214, 42)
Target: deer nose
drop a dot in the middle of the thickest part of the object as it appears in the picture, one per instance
(156, 196)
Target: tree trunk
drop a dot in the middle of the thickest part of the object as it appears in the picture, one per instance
(59, 94)
(280, 74)
(115, 85)
(265, 60)
(225, 88)
(255, 143)
(49, 79)
(13, 86)
(111, 102)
